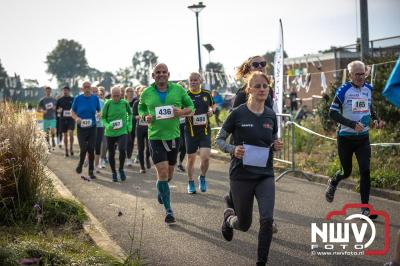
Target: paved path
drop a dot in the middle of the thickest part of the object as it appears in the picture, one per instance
(196, 238)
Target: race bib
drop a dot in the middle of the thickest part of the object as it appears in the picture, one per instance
(164, 112)
(142, 122)
(117, 124)
(66, 113)
(86, 122)
(359, 105)
(182, 120)
(200, 120)
(48, 106)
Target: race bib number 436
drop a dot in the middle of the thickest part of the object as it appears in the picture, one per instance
(359, 105)
(164, 112)
(200, 120)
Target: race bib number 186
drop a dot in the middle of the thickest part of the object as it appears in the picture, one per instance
(164, 112)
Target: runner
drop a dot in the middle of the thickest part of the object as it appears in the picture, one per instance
(117, 119)
(131, 98)
(254, 127)
(103, 151)
(352, 109)
(219, 101)
(85, 108)
(67, 123)
(99, 130)
(141, 134)
(47, 106)
(198, 132)
(160, 106)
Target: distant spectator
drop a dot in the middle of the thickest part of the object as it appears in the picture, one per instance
(218, 105)
(293, 100)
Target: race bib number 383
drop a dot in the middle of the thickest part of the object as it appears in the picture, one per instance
(359, 105)
(164, 112)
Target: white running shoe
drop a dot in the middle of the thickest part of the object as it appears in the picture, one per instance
(129, 162)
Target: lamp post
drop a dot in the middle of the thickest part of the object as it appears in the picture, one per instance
(197, 9)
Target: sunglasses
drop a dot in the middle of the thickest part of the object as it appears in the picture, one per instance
(258, 64)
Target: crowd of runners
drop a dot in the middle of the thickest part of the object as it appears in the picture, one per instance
(168, 120)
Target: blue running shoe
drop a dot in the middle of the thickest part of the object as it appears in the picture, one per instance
(202, 183)
(114, 177)
(191, 187)
(122, 175)
(159, 198)
(169, 218)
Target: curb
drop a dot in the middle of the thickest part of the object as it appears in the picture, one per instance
(321, 179)
(92, 226)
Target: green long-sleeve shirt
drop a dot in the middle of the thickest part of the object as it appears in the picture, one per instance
(150, 99)
(117, 118)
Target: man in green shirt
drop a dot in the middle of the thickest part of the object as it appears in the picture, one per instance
(161, 105)
(117, 119)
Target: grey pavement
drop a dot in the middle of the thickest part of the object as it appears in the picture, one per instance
(196, 238)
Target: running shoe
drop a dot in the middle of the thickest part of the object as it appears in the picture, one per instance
(136, 160)
(129, 162)
(92, 176)
(191, 187)
(142, 171)
(72, 153)
(114, 177)
(226, 229)
(202, 184)
(66, 154)
(330, 191)
(181, 168)
(103, 163)
(159, 198)
(79, 169)
(97, 168)
(169, 218)
(365, 211)
(122, 175)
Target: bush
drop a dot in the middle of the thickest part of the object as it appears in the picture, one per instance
(23, 155)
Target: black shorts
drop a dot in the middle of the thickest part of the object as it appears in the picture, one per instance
(196, 142)
(164, 150)
(67, 124)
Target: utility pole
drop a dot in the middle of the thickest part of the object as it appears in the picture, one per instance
(364, 29)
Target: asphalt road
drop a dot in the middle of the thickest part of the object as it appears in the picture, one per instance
(196, 238)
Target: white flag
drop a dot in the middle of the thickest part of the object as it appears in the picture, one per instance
(278, 76)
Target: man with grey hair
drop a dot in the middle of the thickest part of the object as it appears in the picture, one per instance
(352, 110)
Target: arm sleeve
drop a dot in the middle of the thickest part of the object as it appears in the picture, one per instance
(227, 128)
(135, 106)
(129, 111)
(334, 113)
(104, 114)
(98, 108)
(142, 108)
(275, 129)
(75, 105)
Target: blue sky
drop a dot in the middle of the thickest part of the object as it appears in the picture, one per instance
(111, 31)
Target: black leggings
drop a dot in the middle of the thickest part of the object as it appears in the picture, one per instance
(86, 140)
(243, 193)
(111, 141)
(131, 140)
(142, 143)
(99, 140)
(361, 147)
(182, 144)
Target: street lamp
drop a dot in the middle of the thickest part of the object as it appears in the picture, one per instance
(197, 9)
(209, 49)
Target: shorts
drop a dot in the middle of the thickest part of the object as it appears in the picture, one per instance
(164, 150)
(67, 124)
(196, 142)
(49, 123)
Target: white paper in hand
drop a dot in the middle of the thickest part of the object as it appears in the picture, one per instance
(255, 155)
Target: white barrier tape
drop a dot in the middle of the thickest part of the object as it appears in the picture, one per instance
(322, 136)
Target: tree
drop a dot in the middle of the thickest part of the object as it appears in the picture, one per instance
(125, 76)
(3, 76)
(67, 61)
(270, 57)
(142, 63)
